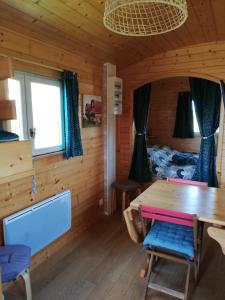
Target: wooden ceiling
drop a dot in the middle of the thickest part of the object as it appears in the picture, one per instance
(76, 25)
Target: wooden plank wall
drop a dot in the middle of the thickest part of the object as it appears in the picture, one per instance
(203, 60)
(82, 175)
(162, 114)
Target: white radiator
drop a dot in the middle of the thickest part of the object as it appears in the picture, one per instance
(40, 224)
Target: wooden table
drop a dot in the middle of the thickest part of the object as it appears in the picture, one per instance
(207, 203)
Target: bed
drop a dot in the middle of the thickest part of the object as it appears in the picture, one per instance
(167, 162)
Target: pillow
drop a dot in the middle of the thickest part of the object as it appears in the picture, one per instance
(193, 160)
(6, 136)
(182, 159)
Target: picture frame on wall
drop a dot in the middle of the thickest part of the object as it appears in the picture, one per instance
(91, 111)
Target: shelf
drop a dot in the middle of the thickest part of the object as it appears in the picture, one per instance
(15, 160)
(16, 176)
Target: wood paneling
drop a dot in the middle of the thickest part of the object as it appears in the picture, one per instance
(162, 114)
(77, 26)
(203, 60)
(53, 173)
(15, 160)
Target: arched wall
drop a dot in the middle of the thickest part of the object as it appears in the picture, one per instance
(203, 60)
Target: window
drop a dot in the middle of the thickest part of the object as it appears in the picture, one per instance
(196, 128)
(39, 111)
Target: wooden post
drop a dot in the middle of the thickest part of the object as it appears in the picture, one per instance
(7, 107)
(123, 201)
(6, 70)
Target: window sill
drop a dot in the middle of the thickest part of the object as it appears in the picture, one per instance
(197, 134)
(37, 157)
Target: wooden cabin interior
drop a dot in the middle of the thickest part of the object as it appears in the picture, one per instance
(70, 157)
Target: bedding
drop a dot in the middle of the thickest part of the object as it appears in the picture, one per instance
(166, 162)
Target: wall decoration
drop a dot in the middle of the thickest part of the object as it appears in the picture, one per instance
(92, 111)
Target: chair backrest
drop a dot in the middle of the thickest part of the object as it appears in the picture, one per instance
(185, 181)
(148, 212)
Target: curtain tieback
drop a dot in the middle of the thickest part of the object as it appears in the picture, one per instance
(207, 137)
(139, 133)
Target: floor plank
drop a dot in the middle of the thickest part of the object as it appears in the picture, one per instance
(104, 264)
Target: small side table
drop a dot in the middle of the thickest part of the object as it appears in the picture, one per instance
(126, 187)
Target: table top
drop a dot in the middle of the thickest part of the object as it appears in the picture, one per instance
(207, 203)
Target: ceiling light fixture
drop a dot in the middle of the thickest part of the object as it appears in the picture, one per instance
(144, 17)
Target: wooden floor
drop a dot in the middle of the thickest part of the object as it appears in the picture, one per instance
(104, 264)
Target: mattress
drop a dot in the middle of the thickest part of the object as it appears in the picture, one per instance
(163, 163)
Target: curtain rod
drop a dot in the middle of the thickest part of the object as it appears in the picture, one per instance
(35, 63)
(32, 62)
(38, 64)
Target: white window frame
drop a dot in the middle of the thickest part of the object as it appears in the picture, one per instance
(197, 133)
(25, 80)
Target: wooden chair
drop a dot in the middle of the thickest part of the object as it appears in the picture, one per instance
(135, 231)
(15, 264)
(160, 242)
(218, 234)
(201, 224)
(132, 226)
(185, 181)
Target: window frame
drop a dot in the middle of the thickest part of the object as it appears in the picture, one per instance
(197, 133)
(26, 79)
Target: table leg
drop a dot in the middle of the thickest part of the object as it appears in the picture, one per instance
(113, 201)
(123, 201)
(144, 269)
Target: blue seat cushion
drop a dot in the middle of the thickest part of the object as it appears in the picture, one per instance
(178, 239)
(13, 260)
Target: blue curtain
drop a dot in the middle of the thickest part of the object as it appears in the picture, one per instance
(183, 128)
(207, 97)
(140, 168)
(71, 108)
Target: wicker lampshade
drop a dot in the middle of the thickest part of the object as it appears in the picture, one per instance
(144, 17)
